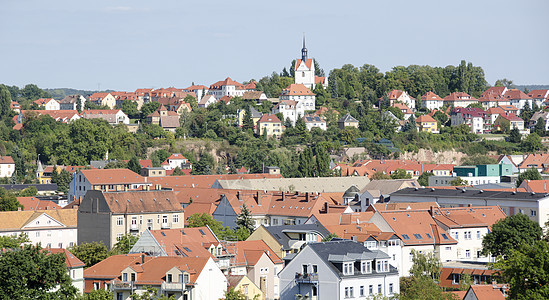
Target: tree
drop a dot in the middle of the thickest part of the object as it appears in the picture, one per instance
(97, 295)
(63, 180)
(509, 233)
(129, 107)
(532, 143)
(8, 201)
(478, 160)
(539, 128)
(244, 219)
(530, 174)
(90, 253)
(330, 237)
(423, 179)
(425, 265)
(13, 241)
(178, 172)
(400, 174)
(458, 182)
(150, 293)
(526, 269)
(515, 136)
(133, 164)
(28, 192)
(124, 244)
(5, 102)
(201, 220)
(32, 273)
(379, 175)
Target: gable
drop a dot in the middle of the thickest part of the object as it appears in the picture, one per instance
(147, 243)
(43, 221)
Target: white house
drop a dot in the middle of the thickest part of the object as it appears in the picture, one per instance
(396, 96)
(432, 101)
(339, 269)
(176, 160)
(290, 110)
(476, 118)
(112, 116)
(301, 94)
(7, 166)
(312, 121)
(75, 267)
(229, 87)
(47, 103)
(207, 100)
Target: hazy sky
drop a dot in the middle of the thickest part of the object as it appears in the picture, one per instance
(124, 45)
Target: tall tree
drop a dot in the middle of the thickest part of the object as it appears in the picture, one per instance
(509, 233)
(90, 253)
(8, 201)
(244, 219)
(530, 174)
(5, 102)
(13, 241)
(124, 244)
(133, 164)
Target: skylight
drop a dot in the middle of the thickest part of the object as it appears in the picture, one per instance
(405, 236)
(428, 236)
(418, 236)
(187, 249)
(444, 236)
(202, 231)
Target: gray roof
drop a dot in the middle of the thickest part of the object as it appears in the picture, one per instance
(39, 187)
(347, 118)
(351, 192)
(345, 250)
(388, 186)
(468, 193)
(314, 184)
(255, 113)
(279, 232)
(312, 118)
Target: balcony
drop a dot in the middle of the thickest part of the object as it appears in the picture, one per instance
(166, 225)
(306, 278)
(122, 285)
(134, 227)
(172, 286)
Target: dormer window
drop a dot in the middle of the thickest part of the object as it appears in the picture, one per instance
(382, 266)
(366, 267)
(348, 268)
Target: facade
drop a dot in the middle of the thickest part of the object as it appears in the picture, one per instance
(291, 110)
(55, 228)
(7, 166)
(207, 100)
(459, 99)
(269, 125)
(347, 121)
(475, 118)
(75, 267)
(104, 180)
(107, 216)
(199, 90)
(539, 97)
(153, 172)
(244, 285)
(168, 120)
(63, 116)
(535, 118)
(300, 94)
(229, 87)
(256, 115)
(396, 96)
(426, 123)
(176, 160)
(338, 270)
(432, 101)
(518, 99)
(72, 102)
(47, 103)
(113, 117)
(314, 121)
(106, 99)
(511, 120)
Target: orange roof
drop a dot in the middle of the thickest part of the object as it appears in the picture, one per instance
(196, 87)
(510, 117)
(403, 107)
(477, 216)
(100, 111)
(6, 160)
(495, 90)
(43, 101)
(308, 63)
(142, 201)
(508, 108)
(297, 89)
(416, 227)
(425, 118)
(516, 94)
(269, 118)
(33, 203)
(495, 110)
(110, 267)
(320, 80)
(456, 96)
(98, 96)
(403, 205)
(394, 94)
(227, 81)
(536, 186)
(535, 160)
(70, 260)
(112, 176)
(248, 253)
(539, 94)
(430, 96)
(190, 242)
(487, 292)
(59, 115)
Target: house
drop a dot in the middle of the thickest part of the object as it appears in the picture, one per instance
(406, 111)
(398, 96)
(107, 216)
(207, 100)
(112, 116)
(176, 160)
(493, 113)
(487, 292)
(269, 125)
(168, 120)
(153, 172)
(452, 273)
(304, 70)
(104, 99)
(63, 116)
(518, 99)
(33, 203)
(291, 110)
(459, 99)
(75, 267)
(72, 102)
(256, 96)
(539, 97)
(229, 87)
(537, 115)
(513, 160)
(535, 186)
(338, 270)
(539, 162)
(510, 120)
(243, 284)
(104, 180)
(7, 166)
(300, 94)
(199, 90)
(474, 175)
(510, 109)
(259, 262)
(474, 117)
(50, 228)
(256, 115)
(493, 97)
(15, 106)
(432, 101)
(47, 103)
(189, 278)
(426, 123)
(347, 121)
(314, 121)
(286, 239)
(379, 190)
(534, 205)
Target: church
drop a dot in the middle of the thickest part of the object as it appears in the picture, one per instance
(304, 72)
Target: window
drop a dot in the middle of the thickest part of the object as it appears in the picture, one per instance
(60, 245)
(133, 276)
(351, 292)
(176, 218)
(428, 236)
(134, 220)
(186, 278)
(124, 276)
(479, 253)
(348, 268)
(119, 221)
(390, 288)
(455, 278)
(96, 285)
(382, 266)
(444, 236)
(164, 219)
(478, 234)
(361, 291)
(169, 278)
(456, 236)
(533, 213)
(315, 269)
(418, 236)
(379, 288)
(405, 236)
(366, 267)
(38, 234)
(467, 253)
(467, 235)
(346, 292)
(371, 289)
(119, 236)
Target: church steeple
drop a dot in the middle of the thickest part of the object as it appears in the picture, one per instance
(304, 51)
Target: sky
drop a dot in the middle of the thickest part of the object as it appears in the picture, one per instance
(130, 44)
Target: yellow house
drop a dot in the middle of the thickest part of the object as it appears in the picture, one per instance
(261, 233)
(44, 174)
(243, 284)
(256, 115)
(426, 123)
(270, 125)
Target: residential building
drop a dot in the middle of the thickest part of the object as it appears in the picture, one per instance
(75, 267)
(493, 97)
(512, 121)
(459, 99)
(105, 180)
(379, 190)
(106, 99)
(286, 239)
(314, 121)
(487, 292)
(452, 273)
(256, 115)
(539, 97)
(153, 172)
(534, 205)
(535, 118)
(257, 96)
(396, 96)
(539, 162)
(300, 94)
(229, 87)
(72, 102)
(63, 116)
(112, 116)
(107, 216)
(291, 110)
(207, 100)
(347, 121)
(493, 113)
(7, 166)
(184, 278)
(168, 120)
(406, 111)
(432, 101)
(474, 117)
(518, 99)
(15, 106)
(199, 90)
(243, 284)
(176, 160)
(269, 125)
(426, 123)
(55, 228)
(510, 109)
(338, 270)
(47, 103)
(303, 185)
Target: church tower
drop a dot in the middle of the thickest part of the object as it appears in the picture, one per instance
(304, 72)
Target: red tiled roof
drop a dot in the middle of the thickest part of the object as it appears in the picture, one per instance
(43, 101)
(227, 81)
(190, 241)
(456, 96)
(70, 260)
(308, 63)
(425, 118)
(6, 160)
(112, 176)
(248, 253)
(33, 203)
(430, 96)
(297, 89)
(539, 94)
(516, 94)
(269, 118)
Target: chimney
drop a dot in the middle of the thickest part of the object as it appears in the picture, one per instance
(283, 196)
(258, 195)
(307, 196)
(469, 205)
(431, 210)
(142, 258)
(238, 196)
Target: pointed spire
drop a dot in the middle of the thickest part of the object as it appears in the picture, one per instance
(304, 50)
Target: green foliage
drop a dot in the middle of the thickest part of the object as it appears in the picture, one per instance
(97, 295)
(150, 293)
(133, 164)
(458, 182)
(532, 143)
(509, 233)
(379, 175)
(465, 281)
(423, 179)
(233, 294)
(31, 273)
(530, 174)
(400, 174)
(515, 136)
(149, 108)
(205, 165)
(244, 219)
(28, 192)
(63, 179)
(201, 220)
(526, 269)
(129, 107)
(124, 244)
(90, 253)
(8, 201)
(330, 237)
(13, 241)
(177, 172)
(116, 165)
(5, 102)
(478, 160)
(425, 265)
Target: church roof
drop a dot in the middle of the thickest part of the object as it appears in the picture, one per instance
(308, 63)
